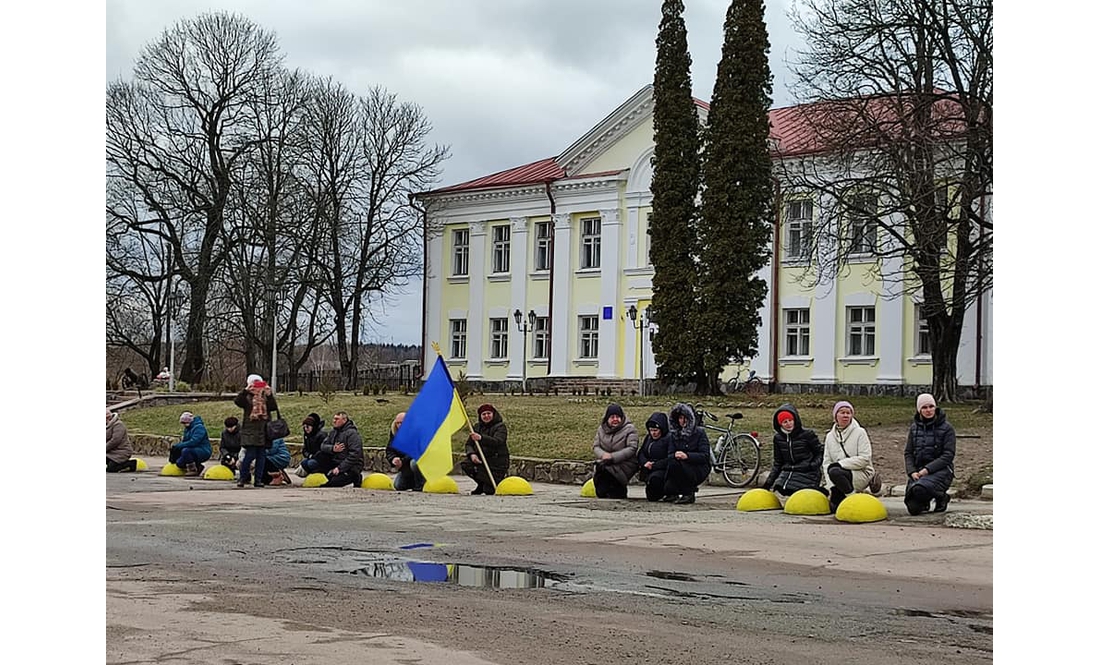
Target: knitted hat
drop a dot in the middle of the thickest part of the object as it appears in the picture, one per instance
(486, 407)
(840, 405)
(783, 416)
(232, 421)
(186, 417)
(313, 420)
(253, 378)
(925, 398)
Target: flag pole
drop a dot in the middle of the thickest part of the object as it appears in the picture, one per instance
(469, 425)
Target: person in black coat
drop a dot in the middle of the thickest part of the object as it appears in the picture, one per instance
(929, 458)
(688, 456)
(229, 444)
(408, 476)
(796, 454)
(653, 456)
(313, 435)
(491, 434)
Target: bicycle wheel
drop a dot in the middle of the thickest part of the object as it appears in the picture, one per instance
(756, 388)
(739, 461)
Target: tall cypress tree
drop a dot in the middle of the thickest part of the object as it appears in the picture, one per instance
(673, 222)
(737, 204)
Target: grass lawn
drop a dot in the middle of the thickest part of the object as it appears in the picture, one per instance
(558, 427)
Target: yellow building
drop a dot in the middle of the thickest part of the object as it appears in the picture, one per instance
(563, 243)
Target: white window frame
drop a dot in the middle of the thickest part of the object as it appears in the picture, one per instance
(648, 241)
(859, 330)
(502, 249)
(543, 238)
(590, 243)
(460, 257)
(796, 329)
(588, 339)
(540, 338)
(799, 226)
(498, 339)
(458, 338)
(863, 226)
(921, 333)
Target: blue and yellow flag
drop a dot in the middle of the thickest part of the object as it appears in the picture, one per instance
(435, 415)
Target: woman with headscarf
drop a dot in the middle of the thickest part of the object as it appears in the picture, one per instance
(929, 458)
(616, 450)
(688, 456)
(491, 434)
(258, 403)
(846, 466)
(653, 456)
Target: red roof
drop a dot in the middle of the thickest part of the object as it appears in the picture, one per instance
(544, 170)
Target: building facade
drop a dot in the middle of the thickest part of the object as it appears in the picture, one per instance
(563, 244)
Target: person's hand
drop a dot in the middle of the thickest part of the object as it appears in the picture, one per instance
(396, 461)
(475, 436)
(339, 448)
(679, 454)
(915, 475)
(649, 465)
(475, 459)
(333, 472)
(606, 457)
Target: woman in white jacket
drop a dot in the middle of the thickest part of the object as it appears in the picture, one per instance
(846, 466)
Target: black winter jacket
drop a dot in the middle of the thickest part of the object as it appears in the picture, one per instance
(796, 457)
(494, 444)
(350, 459)
(931, 445)
(654, 450)
(230, 443)
(311, 443)
(689, 438)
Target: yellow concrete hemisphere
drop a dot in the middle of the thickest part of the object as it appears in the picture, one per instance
(441, 485)
(807, 502)
(171, 470)
(141, 465)
(218, 472)
(315, 480)
(588, 489)
(514, 486)
(377, 481)
(758, 499)
(859, 508)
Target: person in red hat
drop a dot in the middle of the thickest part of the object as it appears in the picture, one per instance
(796, 455)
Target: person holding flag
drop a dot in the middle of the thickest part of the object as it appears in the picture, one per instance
(487, 447)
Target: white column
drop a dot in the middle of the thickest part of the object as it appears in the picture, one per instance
(890, 330)
(435, 329)
(610, 251)
(634, 240)
(520, 253)
(823, 318)
(563, 320)
(762, 363)
(475, 320)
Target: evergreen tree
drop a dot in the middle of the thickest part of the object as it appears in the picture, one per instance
(672, 224)
(737, 204)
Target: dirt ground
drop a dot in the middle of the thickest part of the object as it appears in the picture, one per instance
(199, 572)
(973, 454)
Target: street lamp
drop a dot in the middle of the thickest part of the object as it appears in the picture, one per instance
(277, 295)
(640, 325)
(524, 327)
(175, 302)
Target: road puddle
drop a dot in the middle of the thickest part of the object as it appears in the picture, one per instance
(461, 574)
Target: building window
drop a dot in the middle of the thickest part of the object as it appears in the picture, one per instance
(461, 264)
(542, 246)
(590, 337)
(502, 248)
(863, 228)
(924, 341)
(540, 341)
(797, 331)
(861, 331)
(458, 338)
(800, 216)
(590, 243)
(648, 241)
(498, 338)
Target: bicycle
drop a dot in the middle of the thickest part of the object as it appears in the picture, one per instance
(736, 455)
(752, 386)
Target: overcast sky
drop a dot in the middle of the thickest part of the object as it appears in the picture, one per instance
(504, 82)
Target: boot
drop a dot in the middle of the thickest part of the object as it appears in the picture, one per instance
(685, 499)
(835, 497)
(941, 503)
(131, 465)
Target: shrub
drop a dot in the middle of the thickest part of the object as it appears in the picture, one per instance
(462, 386)
(327, 391)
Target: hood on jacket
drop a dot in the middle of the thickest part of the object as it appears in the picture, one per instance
(613, 410)
(658, 420)
(794, 412)
(348, 424)
(489, 407)
(314, 421)
(682, 409)
(112, 420)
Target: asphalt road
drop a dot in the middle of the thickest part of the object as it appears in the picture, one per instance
(201, 572)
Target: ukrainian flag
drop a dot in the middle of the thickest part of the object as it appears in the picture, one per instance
(435, 415)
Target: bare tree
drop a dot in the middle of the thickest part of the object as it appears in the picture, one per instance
(900, 152)
(177, 134)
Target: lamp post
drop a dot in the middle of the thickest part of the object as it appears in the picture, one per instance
(640, 326)
(277, 295)
(524, 327)
(175, 302)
